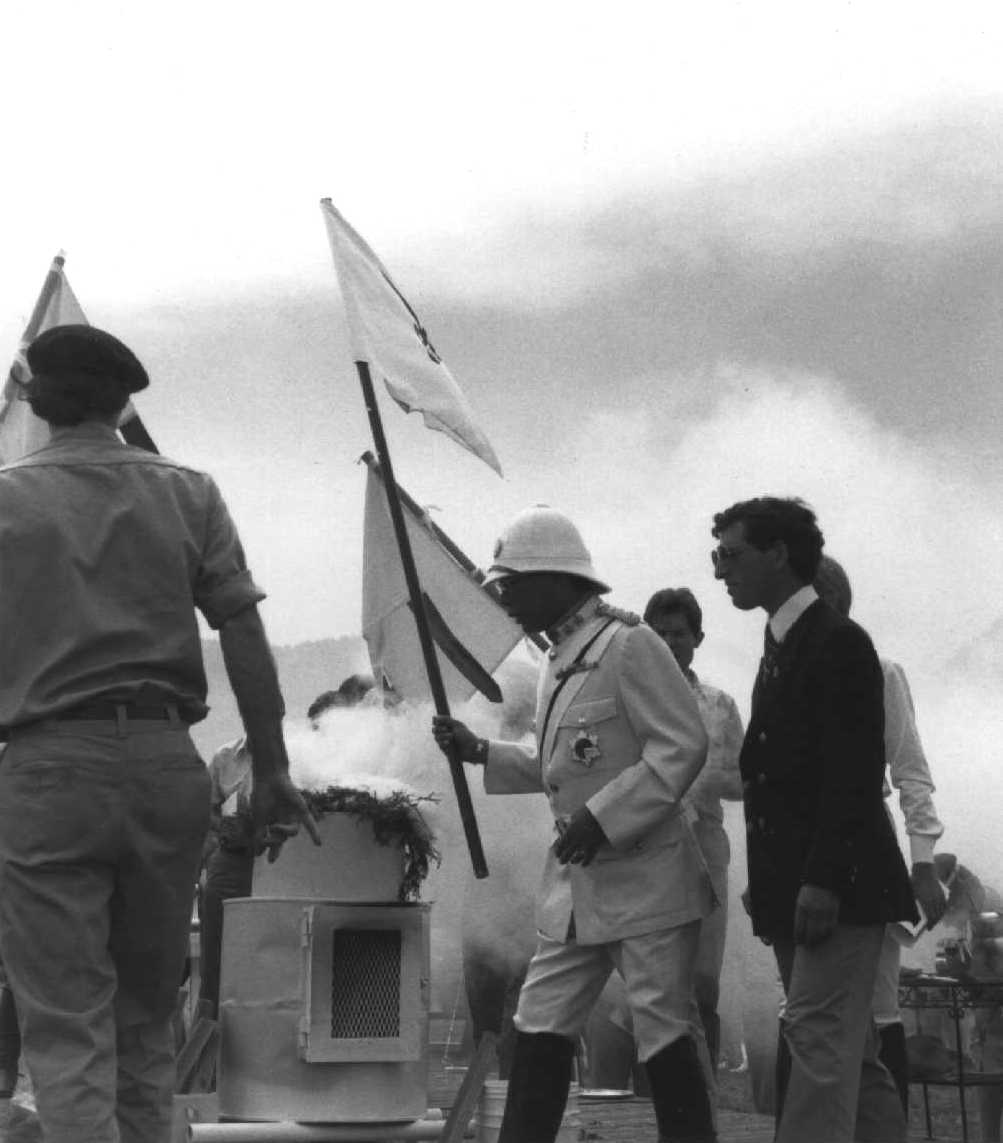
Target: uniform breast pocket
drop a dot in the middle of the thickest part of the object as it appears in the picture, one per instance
(584, 726)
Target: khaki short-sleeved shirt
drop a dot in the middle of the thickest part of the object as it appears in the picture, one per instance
(105, 553)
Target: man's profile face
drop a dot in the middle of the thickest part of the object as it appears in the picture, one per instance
(535, 600)
(674, 628)
(748, 573)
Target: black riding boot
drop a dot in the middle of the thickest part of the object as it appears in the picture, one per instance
(895, 1058)
(679, 1093)
(537, 1088)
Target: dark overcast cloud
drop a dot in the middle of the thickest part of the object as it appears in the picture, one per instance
(876, 262)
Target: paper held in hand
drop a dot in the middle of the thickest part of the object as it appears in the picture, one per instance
(907, 933)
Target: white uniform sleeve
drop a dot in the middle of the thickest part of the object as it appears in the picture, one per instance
(512, 769)
(659, 704)
(907, 765)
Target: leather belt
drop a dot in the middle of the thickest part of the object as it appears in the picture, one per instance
(106, 710)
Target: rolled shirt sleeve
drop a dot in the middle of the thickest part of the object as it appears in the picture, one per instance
(223, 584)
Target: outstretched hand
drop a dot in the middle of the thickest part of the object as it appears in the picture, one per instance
(278, 810)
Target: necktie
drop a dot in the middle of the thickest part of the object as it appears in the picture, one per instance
(767, 665)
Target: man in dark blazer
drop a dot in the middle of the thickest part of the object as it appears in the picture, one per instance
(825, 870)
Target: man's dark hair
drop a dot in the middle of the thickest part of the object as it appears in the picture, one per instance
(61, 400)
(833, 585)
(769, 519)
(675, 601)
(322, 702)
(351, 692)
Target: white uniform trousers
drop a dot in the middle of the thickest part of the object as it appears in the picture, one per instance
(564, 981)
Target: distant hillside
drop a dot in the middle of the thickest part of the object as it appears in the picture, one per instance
(305, 669)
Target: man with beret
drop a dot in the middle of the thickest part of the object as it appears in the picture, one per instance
(619, 741)
(105, 553)
(825, 871)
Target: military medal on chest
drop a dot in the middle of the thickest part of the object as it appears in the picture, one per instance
(585, 747)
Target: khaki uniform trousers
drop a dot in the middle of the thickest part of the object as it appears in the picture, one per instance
(610, 1032)
(564, 981)
(101, 830)
(838, 1091)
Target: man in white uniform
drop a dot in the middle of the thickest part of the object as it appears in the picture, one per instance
(675, 615)
(619, 741)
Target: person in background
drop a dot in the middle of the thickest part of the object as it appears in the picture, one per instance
(229, 851)
(975, 914)
(106, 552)
(675, 615)
(619, 740)
(352, 691)
(825, 871)
(228, 857)
(910, 775)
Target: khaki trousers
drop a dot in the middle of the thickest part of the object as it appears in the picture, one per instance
(564, 981)
(838, 1091)
(101, 830)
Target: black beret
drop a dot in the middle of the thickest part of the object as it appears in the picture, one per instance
(88, 350)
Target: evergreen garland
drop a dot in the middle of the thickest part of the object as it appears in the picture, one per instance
(395, 820)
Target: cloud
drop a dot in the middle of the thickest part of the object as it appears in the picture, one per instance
(643, 482)
(873, 259)
(931, 176)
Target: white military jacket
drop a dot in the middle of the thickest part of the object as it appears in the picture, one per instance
(623, 736)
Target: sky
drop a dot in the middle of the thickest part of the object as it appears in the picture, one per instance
(676, 255)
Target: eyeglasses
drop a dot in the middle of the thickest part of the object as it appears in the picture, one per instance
(721, 554)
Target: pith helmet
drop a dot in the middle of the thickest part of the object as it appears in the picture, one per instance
(541, 539)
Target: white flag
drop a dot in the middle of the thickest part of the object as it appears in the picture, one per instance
(21, 431)
(472, 633)
(385, 331)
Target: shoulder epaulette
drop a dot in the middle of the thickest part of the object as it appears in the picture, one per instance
(628, 618)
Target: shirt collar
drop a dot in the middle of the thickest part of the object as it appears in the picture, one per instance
(574, 620)
(86, 430)
(790, 612)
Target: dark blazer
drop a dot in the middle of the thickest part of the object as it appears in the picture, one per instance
(813, 765)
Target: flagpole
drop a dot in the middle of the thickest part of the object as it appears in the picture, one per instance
(133, 432)
(435, 683)
(45, 296)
